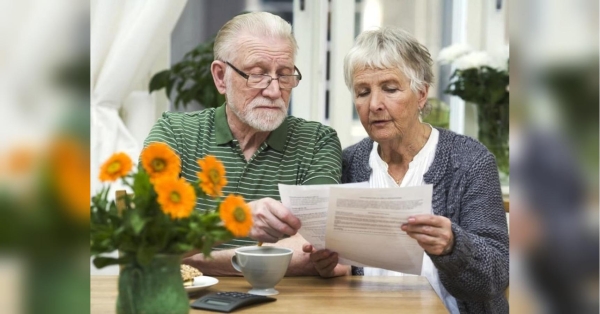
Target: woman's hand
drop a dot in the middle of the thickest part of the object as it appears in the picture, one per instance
(432, 232)
(326, 262)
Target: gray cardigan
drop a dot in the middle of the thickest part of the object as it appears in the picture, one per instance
(466, 189)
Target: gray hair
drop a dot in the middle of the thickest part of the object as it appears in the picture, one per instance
(389, 48)
(254, 23)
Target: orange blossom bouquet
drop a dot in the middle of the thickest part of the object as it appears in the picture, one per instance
(159, 216)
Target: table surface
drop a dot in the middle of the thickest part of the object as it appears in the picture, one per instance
(348, 294)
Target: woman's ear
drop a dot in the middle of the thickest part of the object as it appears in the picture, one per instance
(423, 95)
(217, 69)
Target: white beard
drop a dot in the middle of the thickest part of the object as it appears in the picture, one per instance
(264, 120)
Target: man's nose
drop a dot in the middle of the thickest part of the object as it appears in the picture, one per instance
(272, 91)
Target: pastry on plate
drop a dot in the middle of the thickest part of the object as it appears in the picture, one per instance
(188, 273)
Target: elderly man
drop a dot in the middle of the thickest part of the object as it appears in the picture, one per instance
(258, 143)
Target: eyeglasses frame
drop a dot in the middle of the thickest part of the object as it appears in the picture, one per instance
(247, 76)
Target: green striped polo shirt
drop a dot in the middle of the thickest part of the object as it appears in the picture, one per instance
(298, 152)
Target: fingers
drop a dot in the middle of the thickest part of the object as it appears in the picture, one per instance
(432, 245)
(432, 225)
(284, 215)
(430, 220)
(326, 266)
(433, 233)
(424, 239)
(273, 234)
(307, 248)
(318, 256)
(272, 221)
(261, 235)
(275, 225)
(325, 261)
(423, 229)
(276, 217)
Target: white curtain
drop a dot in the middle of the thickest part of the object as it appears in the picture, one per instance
(126, 39)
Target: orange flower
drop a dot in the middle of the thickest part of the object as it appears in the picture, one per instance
(159, 160)
(212, 176)
(236, 215)
(69, 160)
(175, 196)
(117, 166)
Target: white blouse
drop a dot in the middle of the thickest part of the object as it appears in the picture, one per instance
(380, 178)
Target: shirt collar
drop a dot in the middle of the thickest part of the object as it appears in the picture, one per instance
(278, 136)
(223, 133)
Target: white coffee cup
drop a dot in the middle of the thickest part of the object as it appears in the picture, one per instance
(262, 266)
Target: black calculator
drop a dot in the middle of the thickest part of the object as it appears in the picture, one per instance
(228, 301)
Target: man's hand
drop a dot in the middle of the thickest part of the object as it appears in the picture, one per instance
(433, 233)
(326, 262)
(272, 220)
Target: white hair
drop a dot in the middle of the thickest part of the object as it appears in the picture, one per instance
(390, 48)
(259, 24)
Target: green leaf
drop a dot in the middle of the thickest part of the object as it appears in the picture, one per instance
(159, 80)
(101, 262)
(170, 87)
(142, 188)
(137, 222)
(181, 247)
(178, 101)
(207, 248)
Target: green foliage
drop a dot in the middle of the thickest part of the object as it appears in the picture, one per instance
(484, 85)
(191, 79)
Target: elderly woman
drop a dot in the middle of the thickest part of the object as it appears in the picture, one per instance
(466, 238)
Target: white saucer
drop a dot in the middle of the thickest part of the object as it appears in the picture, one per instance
(201, 282)
(269, 291)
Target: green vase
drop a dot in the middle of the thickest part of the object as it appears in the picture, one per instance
(493, 133)
(155, 288)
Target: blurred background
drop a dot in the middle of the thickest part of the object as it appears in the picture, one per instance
(554, 157)
(44, 156)
(75, 81)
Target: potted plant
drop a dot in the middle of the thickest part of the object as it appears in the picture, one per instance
(159, 224)
(482, 80)
(190, 78)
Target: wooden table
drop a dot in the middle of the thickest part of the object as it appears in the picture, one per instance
(349, 294)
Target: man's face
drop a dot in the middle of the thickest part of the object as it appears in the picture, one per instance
(262, 109)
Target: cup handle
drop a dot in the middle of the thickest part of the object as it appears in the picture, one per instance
(235, 264)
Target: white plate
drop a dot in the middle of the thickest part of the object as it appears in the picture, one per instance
(201, 282)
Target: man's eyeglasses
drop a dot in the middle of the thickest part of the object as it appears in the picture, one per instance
(264, 80)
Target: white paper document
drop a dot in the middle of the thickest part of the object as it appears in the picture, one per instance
(309, 203)
(361, 224)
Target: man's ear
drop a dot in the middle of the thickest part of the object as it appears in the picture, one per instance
(217, 69)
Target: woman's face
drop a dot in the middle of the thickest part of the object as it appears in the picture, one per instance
(386, 105)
